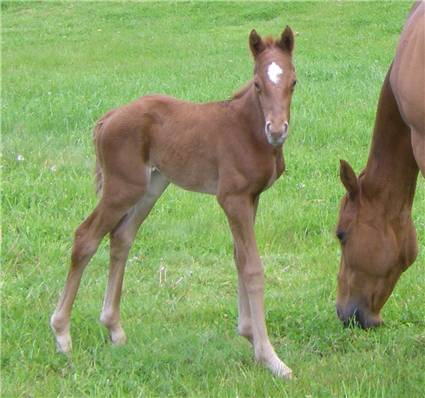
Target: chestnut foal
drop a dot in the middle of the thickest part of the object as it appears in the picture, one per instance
(375, 226)
(231, 149)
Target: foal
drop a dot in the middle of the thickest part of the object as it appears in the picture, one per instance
(231, 149)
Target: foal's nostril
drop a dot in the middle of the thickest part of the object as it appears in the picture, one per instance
(285, 127)
(268, 129)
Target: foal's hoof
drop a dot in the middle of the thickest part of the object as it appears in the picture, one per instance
(281, 370)
(62, 336)
(64, 344)
(117, 336)
(278, 368)
(272, 362)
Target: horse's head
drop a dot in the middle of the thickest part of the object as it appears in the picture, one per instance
(274, 81)
(375, 251)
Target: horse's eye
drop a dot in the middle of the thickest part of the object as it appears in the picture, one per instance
(257, 87)
(294, 84)
(341, 235)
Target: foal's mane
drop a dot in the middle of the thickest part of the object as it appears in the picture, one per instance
(269, 42)
(242, 91)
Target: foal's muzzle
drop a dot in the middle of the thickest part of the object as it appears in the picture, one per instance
(276, 136)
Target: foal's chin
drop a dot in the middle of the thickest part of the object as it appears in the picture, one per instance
(276, 142)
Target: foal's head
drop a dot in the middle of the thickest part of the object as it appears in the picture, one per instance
(274, 81)
(376, 249)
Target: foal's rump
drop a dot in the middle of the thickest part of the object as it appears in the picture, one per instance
(120, 142)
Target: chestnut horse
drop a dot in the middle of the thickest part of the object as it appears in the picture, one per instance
(375, 227)
(231, 149)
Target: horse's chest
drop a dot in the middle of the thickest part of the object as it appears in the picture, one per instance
(274, 171)
(272, 178)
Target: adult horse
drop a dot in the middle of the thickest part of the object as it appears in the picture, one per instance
(231, 149)
(375, 227)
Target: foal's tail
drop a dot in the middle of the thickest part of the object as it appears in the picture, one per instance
(98, 175)
(98, 178)
(98, 128)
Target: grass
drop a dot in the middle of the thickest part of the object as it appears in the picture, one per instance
(63, 66)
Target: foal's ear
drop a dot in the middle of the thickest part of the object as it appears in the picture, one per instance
(256, 43)
(348, 178)
(286, 41)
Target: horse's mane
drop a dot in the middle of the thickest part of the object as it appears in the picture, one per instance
(242, 91)
(270, 42)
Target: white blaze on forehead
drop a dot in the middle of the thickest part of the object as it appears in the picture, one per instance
(274, 71)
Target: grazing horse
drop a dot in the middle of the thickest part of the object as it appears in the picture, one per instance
(375, 228)
(231, 149)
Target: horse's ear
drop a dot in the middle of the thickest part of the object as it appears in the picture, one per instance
(286, 42)
(256, 43)
(349, 179)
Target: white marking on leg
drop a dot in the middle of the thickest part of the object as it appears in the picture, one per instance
(274, 71)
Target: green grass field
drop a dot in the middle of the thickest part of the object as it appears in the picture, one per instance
(63, 66)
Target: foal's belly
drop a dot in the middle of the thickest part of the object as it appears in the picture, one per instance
(191, 181)
(185, 153)
(191, 171)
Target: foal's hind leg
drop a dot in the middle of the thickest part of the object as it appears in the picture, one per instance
(118, 196)
(122, 238)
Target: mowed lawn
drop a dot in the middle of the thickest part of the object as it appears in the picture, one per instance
(63, 66)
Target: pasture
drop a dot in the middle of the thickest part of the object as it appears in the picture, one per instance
(63, 66)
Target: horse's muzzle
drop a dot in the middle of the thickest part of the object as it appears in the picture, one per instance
(354, 315)
(276, 136)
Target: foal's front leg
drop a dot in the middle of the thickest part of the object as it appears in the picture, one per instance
(240, 211)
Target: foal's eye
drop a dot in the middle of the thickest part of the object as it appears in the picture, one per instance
(294, 84)
(257, 87)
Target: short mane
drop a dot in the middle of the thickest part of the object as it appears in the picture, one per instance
(242, 91)
(269, 42)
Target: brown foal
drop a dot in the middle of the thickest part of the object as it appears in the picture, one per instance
(231, 149)
(375, 227)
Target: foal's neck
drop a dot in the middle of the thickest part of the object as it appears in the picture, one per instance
(248, 106)
(391, 171)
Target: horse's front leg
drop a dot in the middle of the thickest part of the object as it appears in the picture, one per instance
(244, 311)
(240, 212)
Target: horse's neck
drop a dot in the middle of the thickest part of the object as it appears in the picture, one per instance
(391, 172)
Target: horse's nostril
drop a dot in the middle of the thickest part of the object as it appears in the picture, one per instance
(338, 312)
(348, 316)
(268, 124)
(285, 127)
